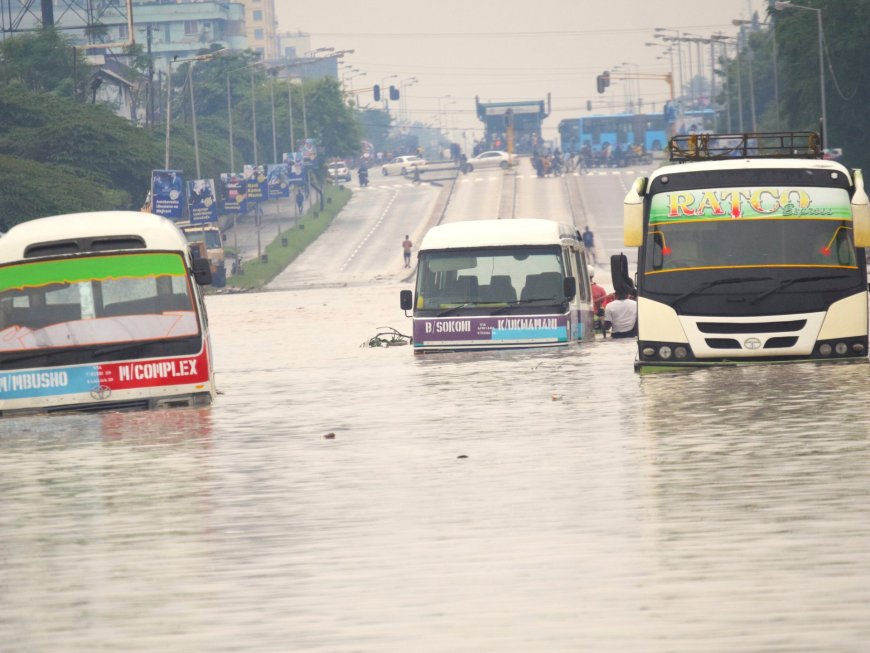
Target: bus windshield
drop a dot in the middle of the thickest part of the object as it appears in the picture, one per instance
(92, 300)
(765, 227)
(211, 237)
(490, 276)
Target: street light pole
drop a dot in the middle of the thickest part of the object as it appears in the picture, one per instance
(230, 124)
(193, 117)
(168, 116)
(679, 50)
(254, 119)
(779, 6)
(274, 133)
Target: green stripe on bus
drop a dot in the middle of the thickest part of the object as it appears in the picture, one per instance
(73, 270)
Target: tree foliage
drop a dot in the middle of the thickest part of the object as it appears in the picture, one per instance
(61, 154)
(40, 61)
(846, 30)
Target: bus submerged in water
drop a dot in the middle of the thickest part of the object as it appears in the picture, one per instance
(751, 249)
(500, 284)
(101, 311)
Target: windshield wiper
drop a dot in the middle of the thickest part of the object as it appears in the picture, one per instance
(715, 282)
(453, 309)
(782, 285)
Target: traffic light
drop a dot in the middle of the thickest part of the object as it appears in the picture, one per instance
(377, 92)
(599, 84)
(589, 105)
(394, 93)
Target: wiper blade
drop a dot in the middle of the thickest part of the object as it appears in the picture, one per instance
(715, 282)
(782, 285)
(453, 309)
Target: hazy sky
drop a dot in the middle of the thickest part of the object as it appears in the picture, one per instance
(509, 49)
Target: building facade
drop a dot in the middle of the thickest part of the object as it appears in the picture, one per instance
(261, 27)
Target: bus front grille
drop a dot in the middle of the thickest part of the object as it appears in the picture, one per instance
(751, 327)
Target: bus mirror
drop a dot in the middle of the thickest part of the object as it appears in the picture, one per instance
(619, 276)
(860, 211)
(406, 300)
(632, 214)
(570, 287)
(202, 271)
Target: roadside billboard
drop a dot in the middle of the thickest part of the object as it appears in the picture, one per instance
(202, 200)
(235, 192)
(167, 194)
(257, 184)
(279, 185)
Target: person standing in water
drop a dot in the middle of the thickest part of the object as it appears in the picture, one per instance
(407, 246)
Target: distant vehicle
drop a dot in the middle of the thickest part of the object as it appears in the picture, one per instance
(491, 159)
(338, 171)
(750, 250)
(402, 165)
(102, 311)
(500, 284)
(210, 235)
(649, 130)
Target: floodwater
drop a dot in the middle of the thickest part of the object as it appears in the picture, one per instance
(516, 501)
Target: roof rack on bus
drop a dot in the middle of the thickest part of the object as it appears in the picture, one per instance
(767, 145)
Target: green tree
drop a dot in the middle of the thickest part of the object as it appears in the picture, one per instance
(40, 61)
(846, 29)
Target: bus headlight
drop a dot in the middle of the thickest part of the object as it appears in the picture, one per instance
(665, 352)
(841, 348)
(857, 347)
(648, 352)
(680, 353)
(825, 349)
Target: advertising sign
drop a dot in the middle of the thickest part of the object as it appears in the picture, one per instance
(235, 192)
(105, 377)
(308, 149)
(295, 168)
(749, 203)
(167, 194)
(203, 201)
(490, 331)
(257, 184)
(279, 185)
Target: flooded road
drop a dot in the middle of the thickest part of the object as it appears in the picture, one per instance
(516, 501)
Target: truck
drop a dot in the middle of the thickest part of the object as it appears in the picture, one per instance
(211, 237)
(750, 250)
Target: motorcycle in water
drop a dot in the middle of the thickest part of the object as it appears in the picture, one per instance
(363, 177)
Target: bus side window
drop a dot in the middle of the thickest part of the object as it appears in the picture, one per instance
(582, 276)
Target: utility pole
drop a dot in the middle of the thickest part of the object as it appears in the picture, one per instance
(149, 114)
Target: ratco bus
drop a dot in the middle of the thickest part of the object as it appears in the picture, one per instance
(101, 311)
(751, 250)
(500, 284)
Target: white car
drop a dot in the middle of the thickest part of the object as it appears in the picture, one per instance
(491, 159)
(338, 171)
(402, 165)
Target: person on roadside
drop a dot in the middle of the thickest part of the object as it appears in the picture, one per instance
(620, 316)
(300, 201)
(407, 246)
(589, 244)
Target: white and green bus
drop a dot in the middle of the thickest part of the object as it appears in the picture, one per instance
(751, 249)
(102, 312)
